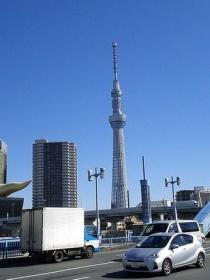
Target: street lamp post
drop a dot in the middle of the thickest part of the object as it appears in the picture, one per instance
(90, 178)
(172, 182)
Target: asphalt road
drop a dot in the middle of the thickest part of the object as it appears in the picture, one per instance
(106, 265)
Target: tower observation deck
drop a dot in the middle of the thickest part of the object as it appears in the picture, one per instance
(117, 121)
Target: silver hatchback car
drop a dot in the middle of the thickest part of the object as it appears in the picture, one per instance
(161, 252)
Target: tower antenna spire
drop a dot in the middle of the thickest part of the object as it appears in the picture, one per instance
(143, 168)
(114, 46)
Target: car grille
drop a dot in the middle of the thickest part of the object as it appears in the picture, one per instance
(128, 267)
(138, 260)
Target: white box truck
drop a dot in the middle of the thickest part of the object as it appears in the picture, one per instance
(54, 233)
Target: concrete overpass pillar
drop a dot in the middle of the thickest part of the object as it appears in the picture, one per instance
(161, 217)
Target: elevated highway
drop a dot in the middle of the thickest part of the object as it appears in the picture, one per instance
(116, 215)
(184, 212)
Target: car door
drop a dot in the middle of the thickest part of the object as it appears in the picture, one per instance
(190, 248)
(178, 254)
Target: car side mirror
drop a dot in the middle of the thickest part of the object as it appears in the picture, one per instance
(174, 246)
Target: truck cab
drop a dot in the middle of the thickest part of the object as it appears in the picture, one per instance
(90, 236)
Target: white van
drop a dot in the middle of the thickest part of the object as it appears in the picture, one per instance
(189, 226)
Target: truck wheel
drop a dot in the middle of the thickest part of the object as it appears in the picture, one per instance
(89, 252)
(58, 256)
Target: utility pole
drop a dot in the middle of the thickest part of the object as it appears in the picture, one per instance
(172, 182)
(90, 178)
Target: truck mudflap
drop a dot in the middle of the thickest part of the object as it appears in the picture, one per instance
(41, 257)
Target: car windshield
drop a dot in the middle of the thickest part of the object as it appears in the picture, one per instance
(154, 242)
(155, 228)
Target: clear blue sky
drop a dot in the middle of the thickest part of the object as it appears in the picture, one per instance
(56, 79)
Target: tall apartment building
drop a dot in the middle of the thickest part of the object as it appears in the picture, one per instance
(3, 162)
(54, 174)
(202, 195)
(184, 195)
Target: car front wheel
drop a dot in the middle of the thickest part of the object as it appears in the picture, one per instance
(166, 267)
(200, 260)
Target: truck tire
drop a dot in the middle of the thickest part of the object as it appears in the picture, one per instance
(88, 252)
(58, 256)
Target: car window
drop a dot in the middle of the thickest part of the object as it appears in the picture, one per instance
(155, 228)
(154, 242)
(173, 228)
(189, 226)
(187, 238)
(178, 240)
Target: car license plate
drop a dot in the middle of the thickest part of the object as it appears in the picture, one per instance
(136, 264)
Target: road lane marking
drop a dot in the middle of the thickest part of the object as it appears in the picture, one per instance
(59, 271)
(86, 277)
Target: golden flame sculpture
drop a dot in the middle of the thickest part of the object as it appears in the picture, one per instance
(7, 189)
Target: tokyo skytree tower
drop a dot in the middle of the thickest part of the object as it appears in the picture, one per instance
(117, 120)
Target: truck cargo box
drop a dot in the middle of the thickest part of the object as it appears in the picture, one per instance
(51, 228)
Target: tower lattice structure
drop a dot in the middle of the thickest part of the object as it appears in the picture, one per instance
(117, 121)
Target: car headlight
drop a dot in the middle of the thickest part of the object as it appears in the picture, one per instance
(152, 256)
(124, 257)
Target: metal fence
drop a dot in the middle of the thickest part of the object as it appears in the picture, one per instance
(11, 247)
(118, 241)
